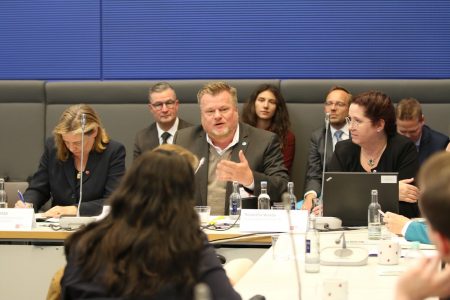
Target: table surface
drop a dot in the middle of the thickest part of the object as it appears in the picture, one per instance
(276, 279)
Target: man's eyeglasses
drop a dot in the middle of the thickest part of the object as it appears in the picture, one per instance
(168, 104)
(337, 104)
(351, 122)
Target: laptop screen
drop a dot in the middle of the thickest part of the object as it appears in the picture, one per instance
(347, 195)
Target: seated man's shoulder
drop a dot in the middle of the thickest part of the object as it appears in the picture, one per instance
(437, 136)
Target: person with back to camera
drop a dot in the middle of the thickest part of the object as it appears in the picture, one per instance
(59, 172)
(266, 109)
(375, 146)
(150, 246)
(424, 279)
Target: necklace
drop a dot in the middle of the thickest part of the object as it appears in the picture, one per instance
(371, 161)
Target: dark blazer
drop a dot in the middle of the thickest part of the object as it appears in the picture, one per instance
(210, 272)
(148, 139)
(261, 149)
(56, 179)
(315, 159)
(431, 141)
(399, 156)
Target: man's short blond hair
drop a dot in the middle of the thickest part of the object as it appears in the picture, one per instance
(215, 88)
(408, 109)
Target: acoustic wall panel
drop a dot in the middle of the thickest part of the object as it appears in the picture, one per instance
(50, 39)
(276, 39)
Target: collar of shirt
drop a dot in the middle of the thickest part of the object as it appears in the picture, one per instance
(345, 132)
(418, 142)
(233, 142)
(172, 131)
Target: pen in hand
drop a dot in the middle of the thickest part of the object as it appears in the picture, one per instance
(20, 196)
(382, 213)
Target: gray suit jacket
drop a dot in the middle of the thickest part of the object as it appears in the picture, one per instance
(262, 151)
(313, 180)
(147, 138)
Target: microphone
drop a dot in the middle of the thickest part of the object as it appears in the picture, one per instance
(200, 163)
(343, 256)
(76, 222)
(286, 199)
(344, 251)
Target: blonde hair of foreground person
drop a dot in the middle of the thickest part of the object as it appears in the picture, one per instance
(424, 279)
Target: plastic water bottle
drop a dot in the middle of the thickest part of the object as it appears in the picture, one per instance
(292, 198)
(374, 217)
(3, 196)
(312, 247)
(263, 198)
(235, 201)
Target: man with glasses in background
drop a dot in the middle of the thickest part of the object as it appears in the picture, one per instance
(336, 105)
(163, 105)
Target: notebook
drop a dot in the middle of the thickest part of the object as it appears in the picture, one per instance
(347, 195)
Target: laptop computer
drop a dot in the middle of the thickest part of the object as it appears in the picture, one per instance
(347, 195)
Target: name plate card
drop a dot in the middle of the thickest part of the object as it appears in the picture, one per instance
(16, 218)
(273, 220)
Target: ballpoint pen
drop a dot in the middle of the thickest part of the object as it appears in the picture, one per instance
(20, 196)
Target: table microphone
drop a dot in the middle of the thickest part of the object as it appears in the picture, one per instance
(287, 206)
(76, 222)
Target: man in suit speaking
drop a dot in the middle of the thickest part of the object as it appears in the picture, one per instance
(231, 150)
(163, 105)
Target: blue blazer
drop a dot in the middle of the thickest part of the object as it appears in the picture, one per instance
(56, 179)
(417, 232)
(431, 141)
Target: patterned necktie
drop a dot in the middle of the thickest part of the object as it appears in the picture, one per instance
(338, 134)
(165, 136)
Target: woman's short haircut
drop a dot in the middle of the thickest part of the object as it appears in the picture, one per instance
(378, 106)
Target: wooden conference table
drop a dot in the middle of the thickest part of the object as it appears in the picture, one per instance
(28, 259)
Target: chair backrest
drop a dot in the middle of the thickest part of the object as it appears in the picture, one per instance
(11, 189)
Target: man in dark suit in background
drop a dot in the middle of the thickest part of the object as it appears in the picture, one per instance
(232, 151)
(337, 104)
(163, 105)
(411, 123)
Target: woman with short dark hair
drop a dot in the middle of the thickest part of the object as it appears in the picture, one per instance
(375, 146)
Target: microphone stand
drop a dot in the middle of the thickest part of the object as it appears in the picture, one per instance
(83, 127)
(77, 221)
(287, 206)
(327, 128)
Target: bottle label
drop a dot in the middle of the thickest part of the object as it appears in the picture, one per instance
(308, 246)
(233, 207)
